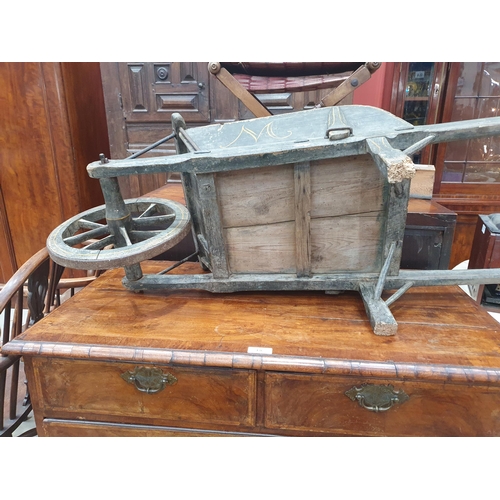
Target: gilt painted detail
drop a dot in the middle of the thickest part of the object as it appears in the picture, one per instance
(246, 132)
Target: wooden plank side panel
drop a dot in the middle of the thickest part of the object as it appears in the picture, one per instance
(264, 196)
(342, 186)
(348, 243)
(256, 196)
(268, 248)
(345, 203)
(347, 208)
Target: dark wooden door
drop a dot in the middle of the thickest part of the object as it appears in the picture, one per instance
(141, 97)
(151, 92)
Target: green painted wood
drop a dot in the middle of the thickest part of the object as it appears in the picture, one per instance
(293, 138)
(325, 282)
(381, 318)
(209, 206)
(282, 140)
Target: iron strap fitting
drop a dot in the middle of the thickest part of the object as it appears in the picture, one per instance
(337, 133)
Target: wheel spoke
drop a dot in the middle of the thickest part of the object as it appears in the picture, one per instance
(155, 219)
(99, 245)
(143, 235)
(88, 241)
(88, 224)
(125, 236)
(80, 238)
(150, 210)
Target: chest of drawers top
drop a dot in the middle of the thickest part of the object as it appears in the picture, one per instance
(443, 335)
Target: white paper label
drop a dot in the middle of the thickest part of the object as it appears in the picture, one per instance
(260, 350)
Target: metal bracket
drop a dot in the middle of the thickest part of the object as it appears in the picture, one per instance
(337, 126)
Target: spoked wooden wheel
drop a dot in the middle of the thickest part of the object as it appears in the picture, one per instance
(89, 241)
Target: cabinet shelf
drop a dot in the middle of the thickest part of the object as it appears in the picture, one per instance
(416, 98)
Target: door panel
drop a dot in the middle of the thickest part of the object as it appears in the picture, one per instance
(154, 91)
(141, 97)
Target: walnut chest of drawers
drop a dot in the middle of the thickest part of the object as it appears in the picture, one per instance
(110, 362)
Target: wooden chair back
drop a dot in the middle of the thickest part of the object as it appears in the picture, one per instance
(244, 79)
(32, 293)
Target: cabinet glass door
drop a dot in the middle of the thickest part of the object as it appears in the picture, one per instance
(418, 91)
(477, 95)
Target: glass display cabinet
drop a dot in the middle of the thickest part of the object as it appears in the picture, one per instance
(417, 88)
(475, 94)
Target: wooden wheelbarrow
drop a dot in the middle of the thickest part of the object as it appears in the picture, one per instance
(312, 200)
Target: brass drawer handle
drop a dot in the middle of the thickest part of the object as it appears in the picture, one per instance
(377, 397)
(149, 379)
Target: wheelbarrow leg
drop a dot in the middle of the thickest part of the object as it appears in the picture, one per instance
(379, 314)
(381, 318)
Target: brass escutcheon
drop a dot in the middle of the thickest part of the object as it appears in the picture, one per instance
(377, 398)
(149, 379)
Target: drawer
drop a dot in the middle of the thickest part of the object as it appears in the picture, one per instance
(304, 402)
(91, 390)
(68, 428)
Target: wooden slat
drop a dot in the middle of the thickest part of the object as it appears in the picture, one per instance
(302, 180)
(396, 221)
(256, 196)
(212, 224)
(398, 169)
(251, 102)
(267, 196)
(341, 186)
(362, 75)
(349, 243)
(16, 331)
(259, 84)
(268, 248)
(14, 390)
(3, 383)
